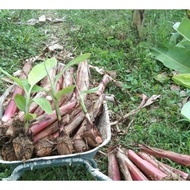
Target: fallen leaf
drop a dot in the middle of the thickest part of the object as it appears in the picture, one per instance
(58, 20)
(32, 21)
(183, 93)
(55, 47)
(174, 87)
(42, 18)
(151, 100)
(144, 98)
(113, 74)
(49, 19)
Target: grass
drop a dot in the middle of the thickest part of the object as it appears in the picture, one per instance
(18, 42)
(114, 45)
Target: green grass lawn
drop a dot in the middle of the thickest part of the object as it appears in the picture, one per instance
(114, 45)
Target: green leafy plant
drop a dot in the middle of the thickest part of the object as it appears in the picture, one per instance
(30, 86)
(176, 54)
(176, 57)
(57, 95)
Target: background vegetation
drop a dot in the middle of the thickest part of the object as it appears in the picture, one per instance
(114, 45)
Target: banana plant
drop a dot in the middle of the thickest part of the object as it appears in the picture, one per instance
(176, 54)
(53, 82)
(29, 85)
(176, 57)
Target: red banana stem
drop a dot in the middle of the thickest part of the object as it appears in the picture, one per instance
(147, 168)
(46, 132)
(182, 174)
(82, 81)
(113, 167)
(178, 158)
(126, 164)
(74, 124)
(60, 81)
(67, 81)
(49, 119)
(11, 108)
(159, 165)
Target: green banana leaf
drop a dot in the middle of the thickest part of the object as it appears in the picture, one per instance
(182, 79)
(175, 58)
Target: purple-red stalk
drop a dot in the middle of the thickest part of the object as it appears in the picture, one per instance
(182, 174)
(147, 168)
(129, 168)
(67, 81)
(113, 167)
(11, 108)
(178, 158)
(82, 79)
(46, 132)
(49, 119)
(159, 165)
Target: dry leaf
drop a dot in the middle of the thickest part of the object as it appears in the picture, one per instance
(42, 18)
(55, 47)
(174, 87)
(183, 93)
(151, 100)
(58, 20)
(49, 19)
(144, 99)
(143, 104)
(32, 21)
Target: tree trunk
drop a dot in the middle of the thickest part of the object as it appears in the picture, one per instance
(138, 21)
